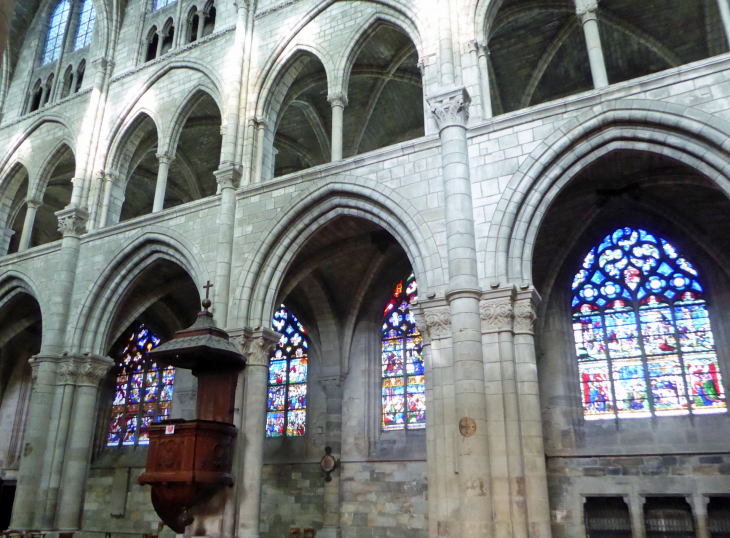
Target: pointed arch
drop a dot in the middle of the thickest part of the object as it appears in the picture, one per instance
(131, 133)
(685, 134)
(49, 163)
(261, 277)
(185, 108)
(96, 314)
(353, 48)
(14, 283)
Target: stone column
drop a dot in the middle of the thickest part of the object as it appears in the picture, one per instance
(30, 212)
(109, 178)
(333, 439)
(227, 179)
(160, 39)
(201, 23)
(636, 511)
(260, 134)
(44, 95)
(161, 186)
(258, 345)
(234, 70)
(451, 111)
(586, 10)
(6, 234)
(89, 372)
(725, 15)
(482, 52)
(338, 102)
(699, 506)
(503, 417)
(533, 451)
(36, 435)
(57, 435)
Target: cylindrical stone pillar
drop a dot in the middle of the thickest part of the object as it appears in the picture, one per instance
(586, 10)
(725, 16)
(227, 179)
(482, 53)
(107, 197)
(233, 102)
(338, 102)
(30, 213)
(533, 451)
(35, 439)
(160, 39)
(260, 138)
(201, 23)
(333, 439)
(161, 186)
(258, 347)
(90, 371)
(699, 508)
(451, 112)
(446, 55)
(636, 512)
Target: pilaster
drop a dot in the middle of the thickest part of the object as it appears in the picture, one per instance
(227, 177)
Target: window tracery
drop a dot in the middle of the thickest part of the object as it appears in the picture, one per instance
(143, 393)
(286, 411)
(159, 4)
(403, 380)
(85, 27)
(56, 32)
(642, 331)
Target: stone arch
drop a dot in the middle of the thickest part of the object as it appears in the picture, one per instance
(39, 183)
(96, 314)
(482, 15)
(15, 282)
(272, 64)
(129, 111)
(268, 102)
(682, 133)
(261, 277)
(354, 46)
(130, 134)
(60, 119)
(182, 112)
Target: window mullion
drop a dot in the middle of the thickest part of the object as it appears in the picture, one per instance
(609, 362)
(680, 354)
(644, 359)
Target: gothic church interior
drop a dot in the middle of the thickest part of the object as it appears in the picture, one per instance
(473, 252)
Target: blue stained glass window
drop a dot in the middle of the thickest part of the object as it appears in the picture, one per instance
(403, 381)
(85, 29)
(286, 410)
(56, 31)
(642, 331)
(143, 392)
(159, 4)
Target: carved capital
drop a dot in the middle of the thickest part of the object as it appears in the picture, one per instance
(450, 108)
(482, 49)
(228, 177)
(33, 204)
(72, 221)
(525, 315)
(332, 387)
(337, 99)
(86, 370)
(496, 314)
(435, 322)
(259, 122)
(258, 344)
(586, 9)
(165, 158)
(103, 64)
(472, 46)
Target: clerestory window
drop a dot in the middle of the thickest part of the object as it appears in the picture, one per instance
(143, 392)
(56, 31)
(85, 27)
(642, 331)
(286, 411)
(403, 380)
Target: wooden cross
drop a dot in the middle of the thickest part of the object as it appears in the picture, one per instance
(207, 289)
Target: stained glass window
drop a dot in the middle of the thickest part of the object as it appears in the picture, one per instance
(56, 31)
(159, 4)
(642, 331)
(85, 29)
(286, 411)
(143, 391)
(404, 386)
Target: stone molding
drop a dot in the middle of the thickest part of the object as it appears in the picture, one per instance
(165, 158)
(36, 362)
(333, 387)
(497, 314)
(257, 345)
(337, 99)
(72, 221)
(433, 323)
(450, 108)
(32, 203)
(586, 9)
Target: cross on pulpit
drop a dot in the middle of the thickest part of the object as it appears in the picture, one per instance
(206, 301)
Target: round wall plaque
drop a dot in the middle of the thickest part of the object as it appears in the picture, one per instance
(467, 427)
